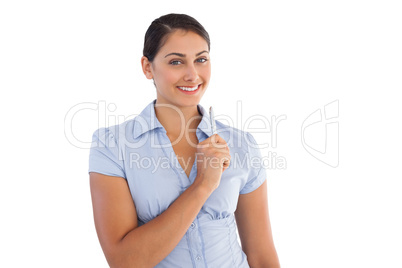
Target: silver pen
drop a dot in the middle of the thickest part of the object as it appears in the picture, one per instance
(212, 117)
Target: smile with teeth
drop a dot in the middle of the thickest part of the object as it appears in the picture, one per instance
(189, 88)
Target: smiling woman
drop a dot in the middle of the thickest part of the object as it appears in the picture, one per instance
(180, 66)
(184, 212)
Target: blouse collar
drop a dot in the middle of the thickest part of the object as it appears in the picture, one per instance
(147, 121)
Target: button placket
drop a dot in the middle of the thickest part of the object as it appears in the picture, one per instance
(195, 244)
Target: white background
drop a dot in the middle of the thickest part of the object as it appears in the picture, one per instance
(279, 58)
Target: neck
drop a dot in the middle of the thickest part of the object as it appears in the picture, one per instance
(175, 118)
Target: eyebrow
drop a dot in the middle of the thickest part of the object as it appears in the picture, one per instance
(184, 55)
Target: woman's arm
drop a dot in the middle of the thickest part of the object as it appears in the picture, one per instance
(123, 242)
(254, 228)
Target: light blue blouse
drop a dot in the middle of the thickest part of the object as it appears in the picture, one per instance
(140, 151)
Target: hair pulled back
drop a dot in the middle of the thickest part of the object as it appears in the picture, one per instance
(160, 29)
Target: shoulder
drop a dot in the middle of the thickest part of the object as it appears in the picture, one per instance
(117, 133)
(235, 137)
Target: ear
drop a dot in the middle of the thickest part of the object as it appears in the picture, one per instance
(146, 67)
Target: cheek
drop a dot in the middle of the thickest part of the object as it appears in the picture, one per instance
(170, 76)
(205, 72)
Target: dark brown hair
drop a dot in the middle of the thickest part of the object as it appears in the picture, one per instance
(162, 27)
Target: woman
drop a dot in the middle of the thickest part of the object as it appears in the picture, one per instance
(165, 192)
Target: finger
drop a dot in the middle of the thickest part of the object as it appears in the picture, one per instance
(217, 141)
(226, 164)
(202, 145)
(226, 159)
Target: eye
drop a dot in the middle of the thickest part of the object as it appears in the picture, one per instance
(175, 62)
(202, 60)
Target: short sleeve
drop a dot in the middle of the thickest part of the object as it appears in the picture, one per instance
(105, 155)
(256, 174)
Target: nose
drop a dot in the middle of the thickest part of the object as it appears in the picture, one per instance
(191, 74)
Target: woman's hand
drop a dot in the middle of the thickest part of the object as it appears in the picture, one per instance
(213, 157)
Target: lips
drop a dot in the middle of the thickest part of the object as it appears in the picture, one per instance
(189, 90)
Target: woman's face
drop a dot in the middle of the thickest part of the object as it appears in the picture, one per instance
(183, 61)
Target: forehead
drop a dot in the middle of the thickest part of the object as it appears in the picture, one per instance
(186, 42)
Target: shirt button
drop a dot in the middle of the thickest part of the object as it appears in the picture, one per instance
(198, 258)
(192, 225)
